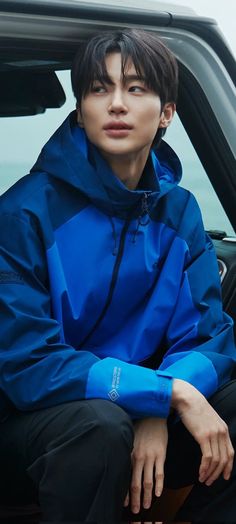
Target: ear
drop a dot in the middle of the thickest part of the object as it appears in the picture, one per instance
(167, 114)
(79, 117)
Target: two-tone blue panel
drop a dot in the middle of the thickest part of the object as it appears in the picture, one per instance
(144, 297)
(80, 268)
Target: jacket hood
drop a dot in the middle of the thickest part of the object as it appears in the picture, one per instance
(69, 156)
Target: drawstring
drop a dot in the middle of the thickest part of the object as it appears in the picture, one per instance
(141, 221)
(144, 211)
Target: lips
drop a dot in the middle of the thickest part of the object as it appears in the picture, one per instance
(116, 125)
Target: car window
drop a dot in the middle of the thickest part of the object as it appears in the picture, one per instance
(195, 179)
(22, 138)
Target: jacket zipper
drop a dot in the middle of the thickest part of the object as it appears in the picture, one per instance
(144, 210)
(112, 284)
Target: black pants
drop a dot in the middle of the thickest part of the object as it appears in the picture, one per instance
(78, 456)
(76, 459)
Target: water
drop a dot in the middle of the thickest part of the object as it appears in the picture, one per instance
(10, 173)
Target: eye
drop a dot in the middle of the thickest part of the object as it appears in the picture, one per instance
(137, 89)
(98, 88)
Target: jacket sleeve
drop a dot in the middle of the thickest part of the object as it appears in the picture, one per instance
(37, 369)
(200, 340)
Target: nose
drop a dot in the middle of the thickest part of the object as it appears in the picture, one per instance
(117, 102)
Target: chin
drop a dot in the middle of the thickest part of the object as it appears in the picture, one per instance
(116, 150)
(120, 148)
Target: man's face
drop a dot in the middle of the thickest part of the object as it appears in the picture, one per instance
(122, 117)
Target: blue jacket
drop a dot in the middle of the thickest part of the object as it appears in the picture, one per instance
(106, 292)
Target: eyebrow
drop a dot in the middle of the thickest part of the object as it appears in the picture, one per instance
(131, 78)
(126, 79)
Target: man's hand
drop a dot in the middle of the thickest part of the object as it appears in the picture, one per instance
(207, 428)
(148, 458)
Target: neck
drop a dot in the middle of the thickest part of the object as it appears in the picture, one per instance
(128, 168)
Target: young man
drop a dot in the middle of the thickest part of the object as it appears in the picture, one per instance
(112, 335)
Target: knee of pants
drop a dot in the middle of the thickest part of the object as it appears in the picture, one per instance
(112, 426)
(93, 433)
(81, 420)
(114, 423)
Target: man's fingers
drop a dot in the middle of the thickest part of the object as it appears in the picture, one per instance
(225, 463)
(147, 483)
(219, 469)
(150, 443)
(206, 459)
(159, 478)
(135, 487)
(217, 466)
(216, 457)
(229, 466)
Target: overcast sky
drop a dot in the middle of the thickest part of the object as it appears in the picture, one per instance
(224, 11)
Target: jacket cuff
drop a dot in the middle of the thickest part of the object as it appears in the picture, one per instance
(142, 392)
(164, 393)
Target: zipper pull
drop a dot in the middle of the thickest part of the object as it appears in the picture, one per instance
(144, 204)
(144, 210)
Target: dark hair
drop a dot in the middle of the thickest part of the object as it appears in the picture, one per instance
(151, 58)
